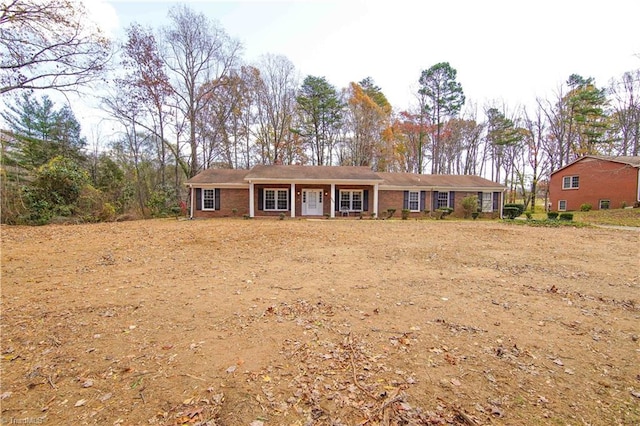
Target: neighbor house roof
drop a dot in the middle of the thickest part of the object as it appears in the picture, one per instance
(311, 173)
(633, 161)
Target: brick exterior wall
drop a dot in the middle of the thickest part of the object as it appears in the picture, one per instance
(229, 199)
(598, 180)
(395, 200)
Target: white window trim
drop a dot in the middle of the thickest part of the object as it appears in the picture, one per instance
(485, 203)
(565, 205)
(213, 199)
(438, 200)
(276, 193)
(570, 178)
(351, 192)
(417, 201)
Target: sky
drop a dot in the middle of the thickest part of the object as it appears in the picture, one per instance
(505, 52)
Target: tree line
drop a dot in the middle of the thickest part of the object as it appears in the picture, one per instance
(184, 100)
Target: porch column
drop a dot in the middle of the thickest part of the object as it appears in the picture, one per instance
(293, 200)
(251, 197)
(375, 200)
(193, 202)
(332, 194)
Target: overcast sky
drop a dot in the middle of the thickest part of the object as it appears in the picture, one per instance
(509, 52)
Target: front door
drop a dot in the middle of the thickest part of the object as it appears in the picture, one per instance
(312, 202)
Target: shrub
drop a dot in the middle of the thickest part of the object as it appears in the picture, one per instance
(246, 216)
(405, 214)
(623, 205)
(511, 212)
(552, 215)
(519, 207)
(529, 215)
(475, 215)
(234, 211)
(585, 207)
(566, 216)
(470, 205)
(390, 212)
(281, 215)
(443, 212)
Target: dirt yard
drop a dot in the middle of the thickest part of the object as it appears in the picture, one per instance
(325, 322)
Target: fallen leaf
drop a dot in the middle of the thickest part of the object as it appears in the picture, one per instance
(87, 383)
(558, 361)
(80, 403)
(231, 369)
(5, 395)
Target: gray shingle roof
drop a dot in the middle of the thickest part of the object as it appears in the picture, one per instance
(295, 172)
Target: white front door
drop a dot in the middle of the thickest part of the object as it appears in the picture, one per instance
(312, 202)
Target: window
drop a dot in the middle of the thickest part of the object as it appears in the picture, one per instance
(443, 200)
(351, 201)
(208, 199)
(604, 204)
(276, 199)
(570, 182)
(414, 201)
(562, 205)
(485, 201)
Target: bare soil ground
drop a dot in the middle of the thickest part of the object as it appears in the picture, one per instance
(326, 322)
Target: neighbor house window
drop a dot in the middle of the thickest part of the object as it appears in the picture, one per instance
(604, 204)
(414, 201)
(208, 199)
(562, 205)
(276, 199)
(570, 182)
(351, 201)
(443, 200)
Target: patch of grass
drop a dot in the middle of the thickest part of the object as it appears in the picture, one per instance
(618, 217)
(548, 223)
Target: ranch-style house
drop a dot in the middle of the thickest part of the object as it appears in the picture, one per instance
(602, 182)
(334, 191)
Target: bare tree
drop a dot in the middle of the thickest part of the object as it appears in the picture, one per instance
(275, 99)
(49, 44)
(198, 52)
(626, 113)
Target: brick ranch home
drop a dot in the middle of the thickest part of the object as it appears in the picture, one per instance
(603, 182)
(333, 191)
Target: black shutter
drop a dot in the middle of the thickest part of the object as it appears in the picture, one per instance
(496, 198)
(423, 200)
(260, 198)
(365, 200)
(405, 200)
(217, 200)
(480, 201)
(435, 200)
(452, 199)
(198, 198)
(337, 199)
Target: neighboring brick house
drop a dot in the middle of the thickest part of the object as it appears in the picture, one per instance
(333, 191)
(602, 182)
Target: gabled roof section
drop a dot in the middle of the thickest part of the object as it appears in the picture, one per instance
(412, 180)
(221, 176)
(311, 173)
(633, 161)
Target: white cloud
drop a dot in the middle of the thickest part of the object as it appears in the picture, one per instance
(104, 15)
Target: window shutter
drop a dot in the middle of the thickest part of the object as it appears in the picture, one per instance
(435, 200)
(496, 198)
(198, 198)
(452, 199)
(337, 199)
(260, 198)
(365, 200)
(405, 200)
(480, 205)
(423, 200)
(217, 200)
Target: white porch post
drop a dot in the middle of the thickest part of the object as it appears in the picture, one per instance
(251, 203)
(293, 200)
(193, 202)
(375, 200)
(333, 200)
